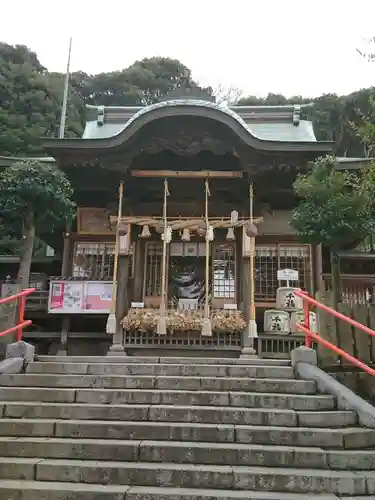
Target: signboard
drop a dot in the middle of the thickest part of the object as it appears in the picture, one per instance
(80, 297)
(287, 275)
(93, 221)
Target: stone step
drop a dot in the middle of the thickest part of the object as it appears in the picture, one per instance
(348, 438)
(172, 397)
(178, 370)
(207, 398)
(43, 490)
(168, 413)
(193, 360)
(287, 480)
(162, 382)
(186, 453)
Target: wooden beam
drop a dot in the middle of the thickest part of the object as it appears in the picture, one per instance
(188, 174)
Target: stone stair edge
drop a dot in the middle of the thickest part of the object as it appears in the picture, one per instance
(206, 476)
(340, 438)
(344, 430)
(188, 452)
(176, 466)
(173, 391)
(147, 377)
(63, 404)
(154, 493)
(217, 370)
(138, 445)
(173, 413)
(163, 360)
(113, 381)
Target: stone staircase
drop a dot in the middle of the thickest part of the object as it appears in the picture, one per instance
(176, 429)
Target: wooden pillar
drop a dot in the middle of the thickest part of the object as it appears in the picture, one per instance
(122, 297)
(139, 270)
(239, 274)
(122, 292)
(247, 343)
(66, 270)
(245, 271)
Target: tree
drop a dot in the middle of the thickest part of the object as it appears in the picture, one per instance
(226, 95)
(30, 102)
(35, 199)
(335, 210)
(142, 83)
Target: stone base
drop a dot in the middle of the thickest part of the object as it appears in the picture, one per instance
(248, 352)
(21, 349)
(116, 350)
(303, 354)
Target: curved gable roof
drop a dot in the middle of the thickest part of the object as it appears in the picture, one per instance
(260, 136)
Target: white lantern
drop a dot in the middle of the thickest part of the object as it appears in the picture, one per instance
(145, 232)
(185, 235)
(230, 234)
(234, 217)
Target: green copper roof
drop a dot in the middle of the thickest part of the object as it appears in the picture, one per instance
(277, 123)
(284, 132)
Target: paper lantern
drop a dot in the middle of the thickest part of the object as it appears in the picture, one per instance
(230, 234)
(251, 230)
(234, 217)
(185, 235)
(210, 233)
(159, 228)
(145, 232)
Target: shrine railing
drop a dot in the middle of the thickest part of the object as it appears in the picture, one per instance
(22, 323)
(310, 335)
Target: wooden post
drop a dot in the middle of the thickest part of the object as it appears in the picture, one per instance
(119, 289)
(247, 342)
(251, 330)
(139, 256)
(245, 269)
(122, 297)
(66, 270)
(239, 270)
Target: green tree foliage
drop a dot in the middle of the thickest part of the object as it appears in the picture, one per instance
(142, 83)
(35, 199)
(335, 209)
(30, 101)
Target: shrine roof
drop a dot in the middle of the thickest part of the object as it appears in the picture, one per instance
(277, 128)
(267, 123)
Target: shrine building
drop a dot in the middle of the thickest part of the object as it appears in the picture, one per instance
(191, 163)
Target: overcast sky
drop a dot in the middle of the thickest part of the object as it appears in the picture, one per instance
(293, 47)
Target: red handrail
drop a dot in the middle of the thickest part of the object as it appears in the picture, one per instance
(21, 312)
(309, 334)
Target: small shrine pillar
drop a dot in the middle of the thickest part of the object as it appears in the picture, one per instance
(66, 268)
(119, 305)
(248, 249)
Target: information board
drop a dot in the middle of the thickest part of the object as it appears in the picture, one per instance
(80, 297)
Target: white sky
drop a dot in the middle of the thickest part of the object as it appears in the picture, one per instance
(293, 47)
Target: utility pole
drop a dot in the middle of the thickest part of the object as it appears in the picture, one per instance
(65, 97)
